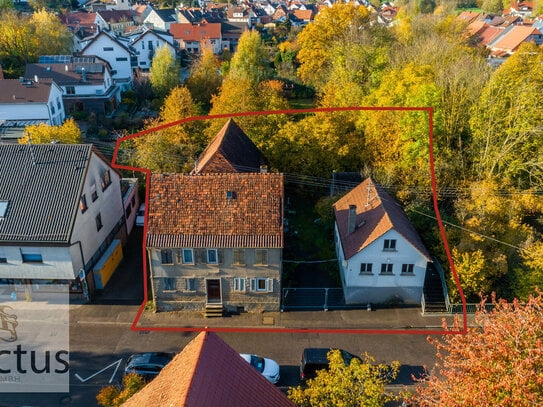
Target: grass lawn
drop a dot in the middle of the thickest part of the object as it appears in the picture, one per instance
(470, 9)
(302, 103)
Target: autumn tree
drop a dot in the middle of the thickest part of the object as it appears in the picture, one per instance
(172, 149)
(360, 383)
(498, 362)
(164, 72)
(66, 133)
(506, 122)
(112, 396)
(205, 79)
(25, 37)
(251, 60)
(331, 24)
(493, 6)
(6, 5)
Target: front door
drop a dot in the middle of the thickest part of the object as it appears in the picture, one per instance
(213, 291)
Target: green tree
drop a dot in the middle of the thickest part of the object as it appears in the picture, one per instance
(506, 122)
(67, 133)
(6, 5)
(205, 79)
(251, 60)
(493, 6)
(164, 72)
(361, 383)
(112, 396)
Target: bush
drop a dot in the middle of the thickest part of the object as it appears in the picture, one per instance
(156, 104)
(102, 133)
(80, 115)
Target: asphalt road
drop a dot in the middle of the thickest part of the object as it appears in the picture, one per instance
(95, 346)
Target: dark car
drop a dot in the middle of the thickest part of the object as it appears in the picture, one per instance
(314, 359)
(147, 365)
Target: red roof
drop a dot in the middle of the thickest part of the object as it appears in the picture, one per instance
(79, 17)
(374, 216)
(512, 40)
(305, 15)
(476, 27)
(195, 32)
(467, 15)
(196, 211)
(209, 373)
(488, 34)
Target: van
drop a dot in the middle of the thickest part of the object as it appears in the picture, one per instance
(314, 359)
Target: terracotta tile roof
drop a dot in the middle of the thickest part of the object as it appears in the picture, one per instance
(306, 15)
(476, 27)
(15, 92)
(467, 15)
(115, 16)
(209, 373)
(512, 40)
(381, 215)
(489, 33)
(195, 32)
(194, 210)
(78, 18)
(230, 151)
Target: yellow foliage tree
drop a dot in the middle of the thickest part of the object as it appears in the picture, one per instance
(66, 133)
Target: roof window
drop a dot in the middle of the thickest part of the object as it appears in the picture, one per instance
(230, 194)
(3, 208)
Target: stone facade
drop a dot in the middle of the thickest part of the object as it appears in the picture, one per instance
(251, 286)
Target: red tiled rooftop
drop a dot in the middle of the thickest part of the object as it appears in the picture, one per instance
(512, 40)
(376, 216)
(195, 32)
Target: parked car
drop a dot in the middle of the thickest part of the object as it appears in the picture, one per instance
(140, 216)
(314, 359)
(267, 367)
(147, 365)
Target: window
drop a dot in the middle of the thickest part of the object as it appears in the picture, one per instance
(133, 201)
(3, 258)
(143, 45)
(106, 180)
(94, 194)
(407, 268)
(166, 257)
(83, 203)
(239, 256)
(31, 255)
(239, 284)
(169, 284)
(70, 90)
(365, 268)
(390, 244)
(261, 256)
(188, 257)
(262, 284)
(52, 108)
(58, 103)
(128, 211)
(386, 268)
(190, 284)
(133, 61)
(108, 48)
(212, 257)
(3, 208)
(99, 222)
(121, 59)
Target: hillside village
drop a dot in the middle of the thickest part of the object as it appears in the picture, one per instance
(422, 214)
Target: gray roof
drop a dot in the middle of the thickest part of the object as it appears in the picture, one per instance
(43, 198)
(14, 91)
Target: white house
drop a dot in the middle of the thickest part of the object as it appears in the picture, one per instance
(86, 82)
(161, 19)
(146, 41)
(381, 256)
(25, 102)
(119, 54)
(60, 210)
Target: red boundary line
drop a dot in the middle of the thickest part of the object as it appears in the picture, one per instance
(430, 111)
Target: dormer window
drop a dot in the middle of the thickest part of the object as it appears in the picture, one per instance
(3, 208)
(230, 194)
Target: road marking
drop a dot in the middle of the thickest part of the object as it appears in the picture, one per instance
(118, 363)
(104, 323)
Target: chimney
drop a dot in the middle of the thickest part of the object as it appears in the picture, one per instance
(352, 219)
(36, 79)
(84, 74)
(263, 169)
(66, 68)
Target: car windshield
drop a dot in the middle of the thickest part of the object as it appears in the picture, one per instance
(258, 363)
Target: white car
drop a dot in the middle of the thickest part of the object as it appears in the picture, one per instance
(268, 367)
(140, 216)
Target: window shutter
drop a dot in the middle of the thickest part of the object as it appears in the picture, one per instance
(203, 256)
(236, 284)
(269, 285)
(220, 256)
(253, 284)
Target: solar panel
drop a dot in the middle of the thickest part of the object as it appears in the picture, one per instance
(83, 60)
(91, 68)
(55, 59)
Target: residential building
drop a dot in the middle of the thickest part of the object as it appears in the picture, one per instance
(231, 33)
(518, 34)
(60, 210)
(86, 82)
(381, 256)
(161, 19)
(145, 41)
(221, 244)
(131, 201)
(26, 102)
(194, 37)
(206, 363)
(114, 20)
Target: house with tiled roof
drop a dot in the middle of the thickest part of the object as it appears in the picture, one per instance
(381, 256)
(513, 38)
(215, 241)
(114, 20)
(209, 373)
(230, 151)
(231, 33)
(194, 37)
(161, 19)
(61, 217)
